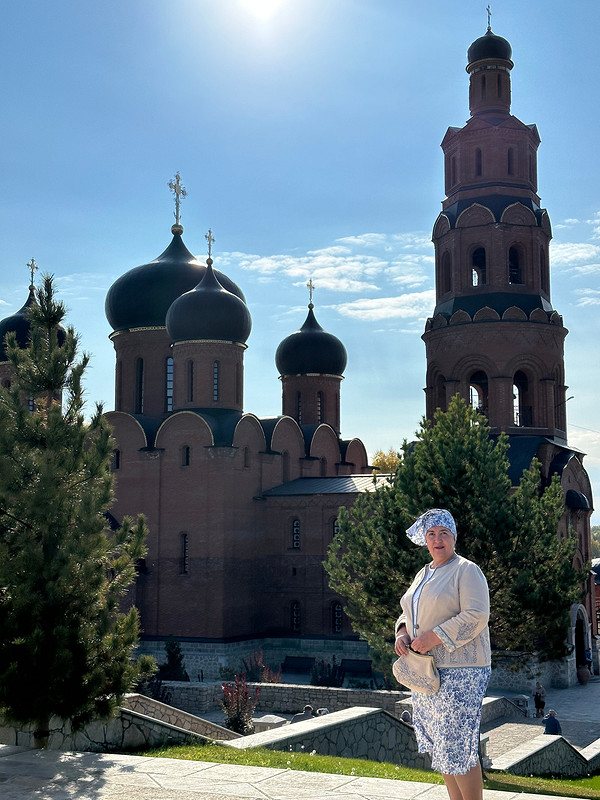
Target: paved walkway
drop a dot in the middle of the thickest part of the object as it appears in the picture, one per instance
(52, 775)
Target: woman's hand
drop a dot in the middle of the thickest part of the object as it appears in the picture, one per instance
(402, 642)
(425, 642)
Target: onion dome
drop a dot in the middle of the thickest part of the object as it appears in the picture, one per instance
(311, 350)
(142, 297)
(210, 311)
(17, 323)
(489, 46)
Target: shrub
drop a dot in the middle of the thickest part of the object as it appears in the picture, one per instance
(173, 669)
(326, 674)
(256, 670)
(238, 706)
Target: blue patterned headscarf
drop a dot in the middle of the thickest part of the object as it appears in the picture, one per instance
(435, 516)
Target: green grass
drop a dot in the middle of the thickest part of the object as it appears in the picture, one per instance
(312, 762)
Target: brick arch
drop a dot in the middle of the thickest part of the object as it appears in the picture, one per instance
(356, 454)
(249, 432)
(184, 425)
(518, 214)
(325, 445)
(475, 215)
(441, 227)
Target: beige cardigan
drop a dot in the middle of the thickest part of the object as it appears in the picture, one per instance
(454, 604)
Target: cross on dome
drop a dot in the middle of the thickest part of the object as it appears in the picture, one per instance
(33, 268)
(489, 13)
(210, 239)
(311, 287)
(179, 192)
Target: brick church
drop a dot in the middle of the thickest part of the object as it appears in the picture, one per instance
(241, 509)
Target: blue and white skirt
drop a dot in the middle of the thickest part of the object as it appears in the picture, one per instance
(447, 723)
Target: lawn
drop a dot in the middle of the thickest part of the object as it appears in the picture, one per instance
(312, 762)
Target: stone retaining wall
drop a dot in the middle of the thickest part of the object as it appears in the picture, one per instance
(354, 733)
(175, 716)
(549, 755)
(515, 673)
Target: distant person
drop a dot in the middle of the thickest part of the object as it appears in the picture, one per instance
(307, 713)
(406, 717)
(322, 711)
(551, 724)
(539, 698)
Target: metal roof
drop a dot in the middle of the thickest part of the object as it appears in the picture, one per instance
(346, 484)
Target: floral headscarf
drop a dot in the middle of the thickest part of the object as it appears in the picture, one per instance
(435, 516)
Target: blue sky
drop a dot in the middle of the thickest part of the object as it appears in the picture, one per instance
(307, 136)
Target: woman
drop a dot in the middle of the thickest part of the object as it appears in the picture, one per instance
(445, 613)
(539, 698)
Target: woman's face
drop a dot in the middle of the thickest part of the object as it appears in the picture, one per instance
(440, 543)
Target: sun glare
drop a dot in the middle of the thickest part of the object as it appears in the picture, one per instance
(262, 9)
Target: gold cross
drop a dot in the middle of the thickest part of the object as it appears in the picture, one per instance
(210, 239)
(179, 192)
(311, 286)
(33, 268)
(489, 13)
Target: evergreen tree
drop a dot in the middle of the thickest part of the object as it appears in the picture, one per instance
(65, 649)
(510, 534)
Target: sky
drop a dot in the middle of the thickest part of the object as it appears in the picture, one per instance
(307, 136)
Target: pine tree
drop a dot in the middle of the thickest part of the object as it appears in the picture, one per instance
(510, 533)
(65, 649)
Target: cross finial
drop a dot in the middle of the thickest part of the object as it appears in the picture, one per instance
(33, 268)
(489, 13)
(179, 192)
(311, 287)
(210, 239)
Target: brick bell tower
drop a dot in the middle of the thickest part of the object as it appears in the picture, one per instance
(494, 337)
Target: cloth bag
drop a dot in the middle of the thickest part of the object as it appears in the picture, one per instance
(418, 672)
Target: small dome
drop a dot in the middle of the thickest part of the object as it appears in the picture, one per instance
(19, 324)
(311, 350)
(489, 46)
(210, 311)
(141, 297)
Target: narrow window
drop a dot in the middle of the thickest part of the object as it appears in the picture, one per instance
(139, 386)
(499, 85)
(296, 534)
(119, 387)
(215, 381)
(478, 263)
(116, 460)
(510, 161)
(522, 409)
(323, 466)
(246, 458)
(169, 385)
(483, 87)
(514, 267)
(453, 171)
(478, 392)
(335, 527)
(31, 404)
(299, 408)
(336, 618)
(185, 557)
(186, 455)
(544, 276)
(295, 621)
(320, 407)
(238, 385)
(446, 273)
(190, 381)
(285, 466)
(478, 162)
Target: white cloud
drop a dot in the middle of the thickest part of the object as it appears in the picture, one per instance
(588, 297)
(416, 304)
(574, 254)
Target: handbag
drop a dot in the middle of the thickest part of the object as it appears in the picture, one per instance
(418, 672)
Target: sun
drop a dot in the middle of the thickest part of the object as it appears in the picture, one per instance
(262, 9)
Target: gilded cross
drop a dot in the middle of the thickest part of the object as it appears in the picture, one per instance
(210, 239)
(33, 268)
(179, 192)
(311, 286)
(489, 13)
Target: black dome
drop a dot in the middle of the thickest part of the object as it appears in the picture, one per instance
(311, 350)
(19, 324)
(141, 297)
(209, 311)
(489, 46)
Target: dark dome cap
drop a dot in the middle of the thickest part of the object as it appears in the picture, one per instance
(141, 297)
(19, 324)
(209, 312)
(489, 46)
(311, 350)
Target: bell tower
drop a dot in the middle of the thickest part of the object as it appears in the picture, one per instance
(494, 336)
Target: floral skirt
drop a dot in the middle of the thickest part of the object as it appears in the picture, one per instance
(447, 723)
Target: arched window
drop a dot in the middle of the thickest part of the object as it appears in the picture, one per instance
(190, 381)
(499, 85)
(532, 175)
(483, 87)
(285, 466)
(446, 273)
(452, 170)
(515, 272)
(522, 408)
(478, 263)
(478, 391)
(296, 534)
(299, 408)
(544, 272)
(215, 381)
(184, 564)
(510, 161)
(295, 619)
(323, 467)
(320, 407)
(478, 162)
(186, 456)
(337, 618)
(139, 386)
(246, 457)
(440, 393)
(119, 387)
(169, 384)
(116, 460)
